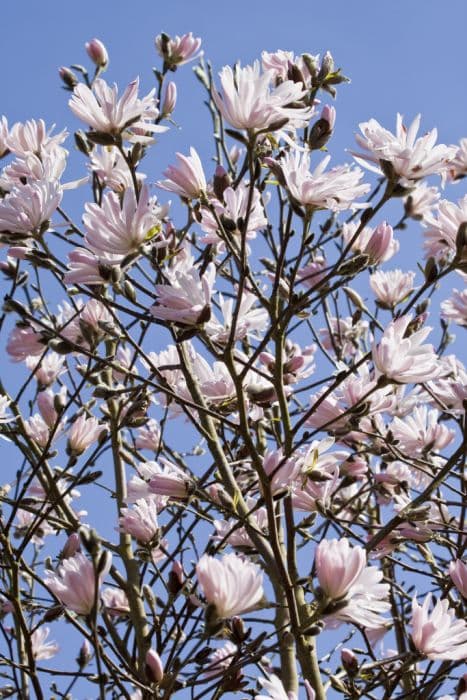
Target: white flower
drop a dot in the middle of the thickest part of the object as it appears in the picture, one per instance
(232, 584)
(337, 189)
(410, 158)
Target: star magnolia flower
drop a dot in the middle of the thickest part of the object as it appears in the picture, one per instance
(438, 635)
(28, 208)
(84, 267)
(101, 109)
(281, 62)
(338, 566)
(342, 573)
(379, 243)
(337, 189)
(84, 431)
(40, 648)
(249, 101)
(455, 308)
(115, 602)
(236, 204)
(187, 300)
(140, 521)
(32, 137)
(232, 584)
(74, 584)
(422, 431)
(178, 50)
(458, 165)
(187, 179)
(404, 359)
(391, 287)
(410, 158)
(109, 166)
(421, 201)
(220, 660)
(250, 320)
(442, 228)
(119, 229)
(47, 369)
(148, 437)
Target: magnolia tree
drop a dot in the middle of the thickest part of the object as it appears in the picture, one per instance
(234, 380)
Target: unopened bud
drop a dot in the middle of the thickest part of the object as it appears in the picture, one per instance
(97, 53)
(84, 655)
(154, 667)
(170, 99)
(349, 662)
(72, 545)
(68, 77)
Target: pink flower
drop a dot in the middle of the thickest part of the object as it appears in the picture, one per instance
(311, 274)
(250, 320)
(149, 436)
(284, 63)
(234, 210)
(379, 243)
(338, 566)
(27, 209)
(438, 635)
(83, 432)
(32, 137)
(422, 431)
(40, 648)
(403, 358)
(458, 165)
(101, 109)
(455, 308)
(421, 201)
(187, 179)
(232, 584)
(109, 166)
(115, 602)
(220, 660)
(170, 481)
(47, 369)
(178, 50)
(442, 229)
(249, 101)
(281, 471)
(391, 287)
(85, 267)
(140, 521)
(97, 52)
(187, 300)
(337, 189)
(119, 229)
(74, 584)
(24, 342)
(410, 158)
(458, 574)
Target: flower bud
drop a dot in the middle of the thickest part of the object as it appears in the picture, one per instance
(170, 100)
(72, 545)
(84, 655)
(349, 662)
(97, 53)
(154, 667)
(68, 77)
